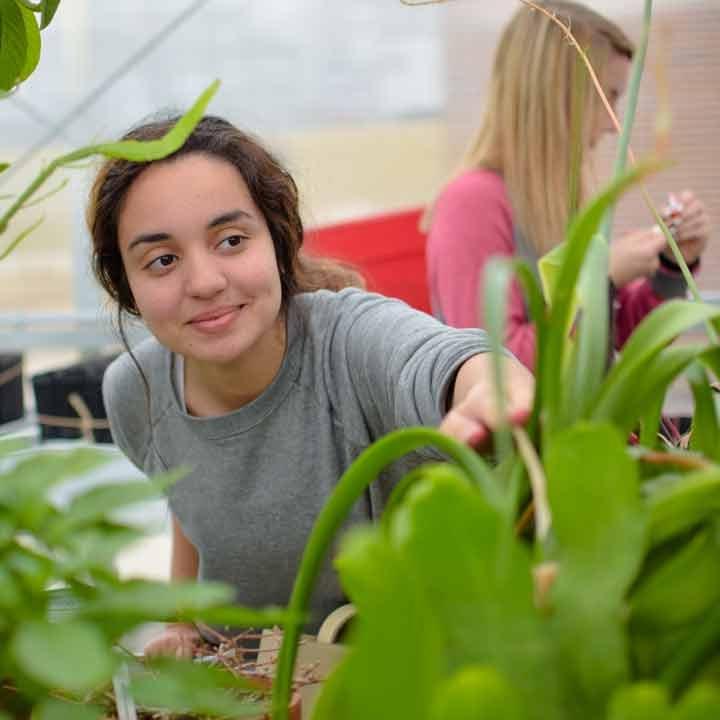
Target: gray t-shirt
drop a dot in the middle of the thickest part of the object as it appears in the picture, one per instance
(357, 366)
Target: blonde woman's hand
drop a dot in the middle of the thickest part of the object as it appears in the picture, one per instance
(635, 255)
(474, 413)
(177, 640)
(692, 227)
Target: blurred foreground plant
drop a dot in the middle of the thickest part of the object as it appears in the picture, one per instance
(64, 609)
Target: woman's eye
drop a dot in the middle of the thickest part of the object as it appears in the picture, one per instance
(161, 262)
(232, 241)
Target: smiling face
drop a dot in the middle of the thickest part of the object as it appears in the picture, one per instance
(201, 264)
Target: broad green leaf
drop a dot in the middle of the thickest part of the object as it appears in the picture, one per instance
(653, 334)
(692, 653)
(681, 503)
(145, 151)
(466, 600)
(32, 36)
(393, 613)
(682, 588)
(24, 487)
(138, 600)
(599, 529)
(100, 502)
(4, 166)
(13, 44)
(563, 298)
(476, 692)
(95, 548)
(590, 346)
(11, 596)
(702, 702)
(71, 656)
(49, 8)
(705, 436)
(29, 567)
(187, 687)
(642, 701)
(55, 709)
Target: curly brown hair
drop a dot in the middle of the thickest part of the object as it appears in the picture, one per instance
(271, 187)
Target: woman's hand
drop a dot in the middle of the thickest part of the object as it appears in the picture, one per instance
(635, 255)
(691, 227)
(177, 640)
(474, 414)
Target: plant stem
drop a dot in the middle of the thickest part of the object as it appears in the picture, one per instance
(350, 487)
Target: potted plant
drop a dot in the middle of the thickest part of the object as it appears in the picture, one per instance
(64, 610)
(609, 607)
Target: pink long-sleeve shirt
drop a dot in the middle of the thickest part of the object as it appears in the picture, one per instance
(473, 222)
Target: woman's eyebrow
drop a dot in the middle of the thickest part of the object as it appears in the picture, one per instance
(229, 217)
(148, 238)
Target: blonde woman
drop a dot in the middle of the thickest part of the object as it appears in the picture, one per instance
(512, 198)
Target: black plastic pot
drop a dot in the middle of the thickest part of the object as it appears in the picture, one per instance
(69, 401)
(12, 406)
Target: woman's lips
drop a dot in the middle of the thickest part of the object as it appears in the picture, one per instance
(217, 319)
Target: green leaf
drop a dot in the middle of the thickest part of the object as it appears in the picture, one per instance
(30, 568)
(497, 276)
(626, 409)
(11, 597)
(682, 589)
(682, 502)
(13, 44)
(590, 356)
(100, 502)
(156, 600)
(24, 487)
(701, 703)
(476, 693)
(4, 166)
(448, 595)
(11, 444)
(49, 8)
(95, 548)
(55, 709)
(599, 527)
(705, 436)
(32, 36)
(24, 234)
(186, 687)
(393, 613)
(653, 334)
(642, 701)
(145, 151)
(71, 656)
(562, 295)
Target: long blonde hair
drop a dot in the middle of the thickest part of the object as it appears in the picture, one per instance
(539, 113)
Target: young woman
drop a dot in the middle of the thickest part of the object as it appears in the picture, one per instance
(512, 198)
(264, 385)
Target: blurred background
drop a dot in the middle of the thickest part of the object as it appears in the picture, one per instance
(369, 102)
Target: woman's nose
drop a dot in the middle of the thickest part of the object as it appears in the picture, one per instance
(205, 275)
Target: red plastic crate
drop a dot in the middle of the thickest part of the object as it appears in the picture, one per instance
(388, 249)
